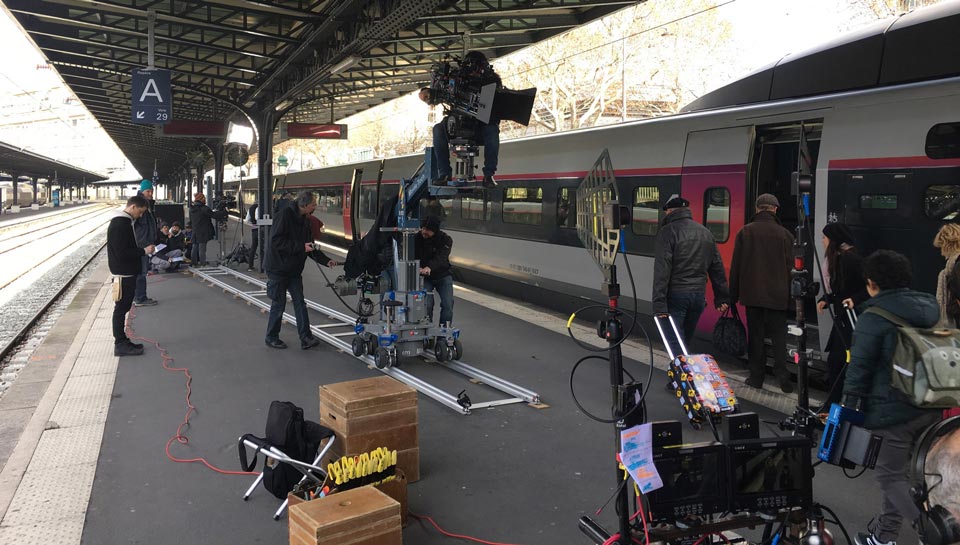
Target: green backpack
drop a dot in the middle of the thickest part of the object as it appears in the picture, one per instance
(926, 363)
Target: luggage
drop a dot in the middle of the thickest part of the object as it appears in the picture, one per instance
(729, 335)
(701, 387)
(925, 363)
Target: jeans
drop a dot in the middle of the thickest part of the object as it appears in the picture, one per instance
(198, 254)
(487, 134)
(122, 307)
(141, 280)
(444, 287)
(685, 309)
(254, 242)
(893, 476)
(277, 288)
(765, 323)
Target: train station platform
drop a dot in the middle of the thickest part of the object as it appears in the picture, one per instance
(92, 457)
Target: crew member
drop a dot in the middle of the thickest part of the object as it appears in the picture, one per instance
(477, 68)
(146, 231)
(202, 216)
(254, 234)
(942, 472)
(685, 254)
(124, 257)
(887, 412)
(290, 245)
(433, 250)
(760, 279)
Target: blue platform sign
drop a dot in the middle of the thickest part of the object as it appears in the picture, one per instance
(152, 100)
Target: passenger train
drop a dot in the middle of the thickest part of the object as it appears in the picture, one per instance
(879, 111)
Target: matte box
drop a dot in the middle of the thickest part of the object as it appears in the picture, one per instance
(362, 516)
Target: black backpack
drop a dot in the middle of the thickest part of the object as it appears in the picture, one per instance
(288, 431)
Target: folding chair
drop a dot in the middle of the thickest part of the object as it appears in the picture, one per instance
(312, 472)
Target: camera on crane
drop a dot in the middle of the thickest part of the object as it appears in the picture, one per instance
(469, 88)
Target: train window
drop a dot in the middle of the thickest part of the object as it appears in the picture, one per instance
(943, 141)
(941, 202)
(567, 207)
(330, 200)
(436, 207)
(716, 212)
(879, 202)
(476, 206)
(523, 205)
(646, 211)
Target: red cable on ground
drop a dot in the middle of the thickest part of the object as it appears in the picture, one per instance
(457, 536)
(179, 437)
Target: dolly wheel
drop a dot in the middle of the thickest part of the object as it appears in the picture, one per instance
(381, 358)
(372, 344)
(457, 350)
(358, 345)
(441, 351)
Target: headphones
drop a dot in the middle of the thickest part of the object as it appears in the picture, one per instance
(936, 525)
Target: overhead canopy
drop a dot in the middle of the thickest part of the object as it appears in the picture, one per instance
(327, 58)
(16, 161)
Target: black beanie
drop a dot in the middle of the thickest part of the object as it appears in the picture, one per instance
(432, 223)
(839, 233)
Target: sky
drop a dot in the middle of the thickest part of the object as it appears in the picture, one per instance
(37, 112)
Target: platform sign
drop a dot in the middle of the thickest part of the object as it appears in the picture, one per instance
(152, 100)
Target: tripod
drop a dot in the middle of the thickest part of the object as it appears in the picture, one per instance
(240, 252)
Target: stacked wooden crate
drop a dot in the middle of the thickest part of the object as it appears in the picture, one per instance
(370, 413)
(362, 516)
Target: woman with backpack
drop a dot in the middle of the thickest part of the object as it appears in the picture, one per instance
(948, 282)
(843, 289)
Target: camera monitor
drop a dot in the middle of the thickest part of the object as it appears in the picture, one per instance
(693, 482)
(770, 474)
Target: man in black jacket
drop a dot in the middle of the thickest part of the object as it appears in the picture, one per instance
(685, 254)
(433, 250)
(124, 258)
(146, 230)
(760, 279)
(290, 244)
(202, 217)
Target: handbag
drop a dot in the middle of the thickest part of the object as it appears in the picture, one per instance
(117, 292)
(729, 335)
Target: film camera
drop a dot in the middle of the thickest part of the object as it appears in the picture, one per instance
(223, 202)
(469, 88)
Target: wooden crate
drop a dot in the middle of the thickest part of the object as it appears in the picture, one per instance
(396, 489)
(362, 516)
(370, 413)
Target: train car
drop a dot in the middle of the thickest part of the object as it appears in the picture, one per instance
(876, 112)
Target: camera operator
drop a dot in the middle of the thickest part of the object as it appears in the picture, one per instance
(433, 248)
(477, 68)
(290, 245)
(202, 216)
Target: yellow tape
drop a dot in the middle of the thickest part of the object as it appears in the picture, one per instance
(570, 321)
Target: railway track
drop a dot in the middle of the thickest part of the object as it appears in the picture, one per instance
(12, 241)
(8, 225)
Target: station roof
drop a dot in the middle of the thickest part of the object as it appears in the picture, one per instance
(15, 160)
(321, 59)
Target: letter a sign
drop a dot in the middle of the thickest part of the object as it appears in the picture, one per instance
(151, 97)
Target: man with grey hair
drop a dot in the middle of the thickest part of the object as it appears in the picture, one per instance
(942, 469)
(291, 242)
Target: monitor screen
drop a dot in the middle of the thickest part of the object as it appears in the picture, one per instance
(692, 483)
(770, 473)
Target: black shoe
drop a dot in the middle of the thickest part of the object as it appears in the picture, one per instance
(444, 179)
(148, 302)
(786, 386)
(489, 182)
(758, 384)
(126, 349)
(276, 343)
(309, 343)
(138, 346)
(867, 538)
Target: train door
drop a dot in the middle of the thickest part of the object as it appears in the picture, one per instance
(713, 179)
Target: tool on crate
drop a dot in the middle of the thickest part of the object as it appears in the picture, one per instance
(375, 467)
(700, 385)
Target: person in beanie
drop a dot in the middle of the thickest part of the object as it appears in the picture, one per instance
(685, 255)
(433, 250)
(201, 217)
(124, 257)
(843, 289)
(760, 279)
(146, 231)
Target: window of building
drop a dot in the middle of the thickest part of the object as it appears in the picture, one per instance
(646, 211)
(943, 141)
(475, 207)
(523, 205)
(567, 207)
(941, 202)
(716, 212)
(879, 202)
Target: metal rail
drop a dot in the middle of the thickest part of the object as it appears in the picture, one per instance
(215, 275)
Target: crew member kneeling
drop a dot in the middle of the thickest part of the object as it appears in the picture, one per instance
(433, 250)
(290, 245)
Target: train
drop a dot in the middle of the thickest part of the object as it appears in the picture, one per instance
(876, 114)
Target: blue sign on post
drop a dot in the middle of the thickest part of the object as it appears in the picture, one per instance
(152, 100)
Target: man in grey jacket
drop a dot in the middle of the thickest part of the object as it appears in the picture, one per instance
(686, 254)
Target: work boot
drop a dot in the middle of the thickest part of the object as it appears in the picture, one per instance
(489, 182)
(443, 180)
(133, 344)
(126, 349)
(275, 343)
(307, 344)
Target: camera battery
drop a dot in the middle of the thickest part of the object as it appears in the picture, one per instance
(701, 387)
